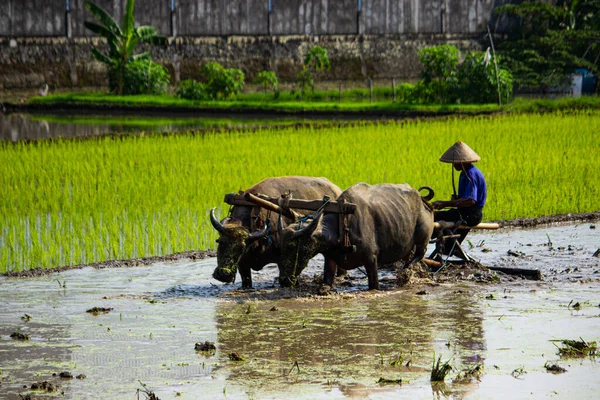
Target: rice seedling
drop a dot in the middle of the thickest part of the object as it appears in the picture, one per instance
(576, 348)
(439, 370)
(70, 202)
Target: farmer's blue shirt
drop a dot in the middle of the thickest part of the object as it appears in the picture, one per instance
(471, 185)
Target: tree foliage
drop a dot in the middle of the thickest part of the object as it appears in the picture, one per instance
(268, 80)
(315, 61)
(122, 41)
(551, 41)
(445, 79)
(478, 81)
(439, 72)
(143, 76)
(217, 83)
(221, 82)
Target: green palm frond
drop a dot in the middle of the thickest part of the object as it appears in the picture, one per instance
(103, 16)
(141, 56)
(131, 45)
(128, 20)
(102, 57)
(145, 32)
(101, 30)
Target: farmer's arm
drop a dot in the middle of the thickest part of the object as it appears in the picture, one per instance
(457, 203)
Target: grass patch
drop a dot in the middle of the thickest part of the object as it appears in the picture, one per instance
(251, 102)
(353, 100)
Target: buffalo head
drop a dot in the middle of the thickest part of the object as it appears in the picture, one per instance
(233, 243)
(298, 245)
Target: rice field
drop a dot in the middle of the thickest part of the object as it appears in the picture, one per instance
(69, 202)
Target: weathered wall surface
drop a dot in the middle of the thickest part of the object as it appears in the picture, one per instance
(61, 62)
(43, 41)
(29, 18)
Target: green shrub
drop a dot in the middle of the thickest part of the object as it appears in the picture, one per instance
(316, 60)
(122, 41)
(142, 76)
(474, 80)
(222, 83)
(192, 90)
(440, 67)
(268, 80)
(477, 81)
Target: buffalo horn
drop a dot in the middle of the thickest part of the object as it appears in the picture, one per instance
(310, 228)
(429, 195)
(215, 222)
(254, 236)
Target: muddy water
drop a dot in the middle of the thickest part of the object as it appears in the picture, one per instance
(308, 347)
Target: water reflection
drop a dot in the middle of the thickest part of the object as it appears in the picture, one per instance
(27, 127)
(348, 344)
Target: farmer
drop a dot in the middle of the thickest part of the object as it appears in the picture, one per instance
(467, 205)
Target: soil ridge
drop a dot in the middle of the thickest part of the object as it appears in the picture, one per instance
(202, 254)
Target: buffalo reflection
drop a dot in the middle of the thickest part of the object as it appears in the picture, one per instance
(347, 343)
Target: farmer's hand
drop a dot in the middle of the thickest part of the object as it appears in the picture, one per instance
(438, 205)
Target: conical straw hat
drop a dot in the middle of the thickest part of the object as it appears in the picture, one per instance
(459, 152)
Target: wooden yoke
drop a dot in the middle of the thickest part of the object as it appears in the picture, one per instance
(269, 206)
(282, 203)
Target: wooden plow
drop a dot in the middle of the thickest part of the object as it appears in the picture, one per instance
(448, 230)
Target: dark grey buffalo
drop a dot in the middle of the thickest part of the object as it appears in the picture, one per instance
(390, 223)
(241, 250)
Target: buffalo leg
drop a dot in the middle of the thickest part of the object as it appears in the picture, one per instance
(371, 267)
(329, 271)
(246, 276)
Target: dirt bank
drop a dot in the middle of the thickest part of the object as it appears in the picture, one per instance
(201, 254)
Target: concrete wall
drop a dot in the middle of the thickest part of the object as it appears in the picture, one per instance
(31, 18)
(365, 38)
(61, 62)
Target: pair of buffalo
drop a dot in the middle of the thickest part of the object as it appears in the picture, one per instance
(390, 223)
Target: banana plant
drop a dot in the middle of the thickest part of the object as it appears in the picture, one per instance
(122, 40)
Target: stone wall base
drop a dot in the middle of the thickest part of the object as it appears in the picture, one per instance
(67, 63)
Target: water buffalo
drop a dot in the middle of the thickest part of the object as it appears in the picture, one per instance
(239, 248)
(389, 222)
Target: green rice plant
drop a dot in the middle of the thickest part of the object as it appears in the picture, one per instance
(576, 348)
(69, 202)
(439, 370)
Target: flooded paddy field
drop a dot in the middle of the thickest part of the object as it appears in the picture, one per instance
(17, 127)
(288, 343)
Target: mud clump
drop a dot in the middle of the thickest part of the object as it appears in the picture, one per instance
(65, 375)
(20, 336)
(554, 368)
(99, 310)
(236, 357)
(206, 346)
(386, 381)
(415, 274)
(44, 386)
